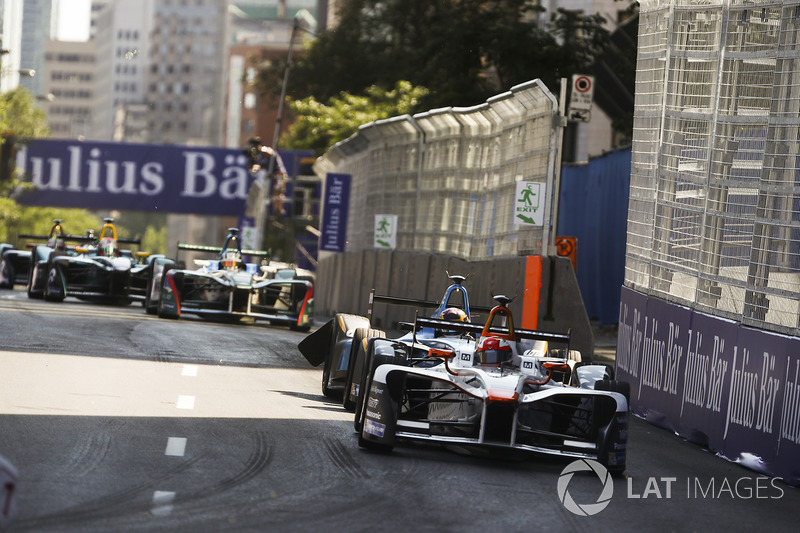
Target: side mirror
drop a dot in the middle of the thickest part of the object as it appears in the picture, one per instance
(444, 354)
(552, 366)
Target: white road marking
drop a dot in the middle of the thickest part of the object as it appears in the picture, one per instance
(185, 402)
(189, 370)
(176, 446)
(162, 502)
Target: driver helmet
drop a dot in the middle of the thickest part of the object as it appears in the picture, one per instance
(231, 260)
(57, 244)
(107, 247)
(492, 351)
(454, 314)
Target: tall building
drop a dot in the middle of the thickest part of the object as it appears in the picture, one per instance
(260, 30)
(187, 72)
(15, 63)
(120, 31)
(70, 77)
(37, 27)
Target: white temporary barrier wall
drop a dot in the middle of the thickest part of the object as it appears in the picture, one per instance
(450, 176)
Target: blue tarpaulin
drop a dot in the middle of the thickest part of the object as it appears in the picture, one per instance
(593, 207)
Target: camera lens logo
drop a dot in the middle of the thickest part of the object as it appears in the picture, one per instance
(585, 509)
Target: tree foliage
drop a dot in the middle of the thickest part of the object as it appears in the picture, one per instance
(20, 116)
(19, 119)
(39, 220)
(462, 51)
(320, 126)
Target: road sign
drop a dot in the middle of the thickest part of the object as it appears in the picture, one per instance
(568, 247)
(529, 198)
(580, 101)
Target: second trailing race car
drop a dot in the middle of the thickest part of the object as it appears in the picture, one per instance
(340, 343)
(228, 288)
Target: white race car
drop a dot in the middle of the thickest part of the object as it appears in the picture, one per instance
(507, 391)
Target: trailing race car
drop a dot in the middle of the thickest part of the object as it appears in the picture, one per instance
(340, 343)
(94, 269)
(228, 288)
(15, 263)
(13, 266)
(509, 391)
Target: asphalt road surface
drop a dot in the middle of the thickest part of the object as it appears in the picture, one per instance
(120, 421)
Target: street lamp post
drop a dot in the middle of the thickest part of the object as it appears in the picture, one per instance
(304, 17)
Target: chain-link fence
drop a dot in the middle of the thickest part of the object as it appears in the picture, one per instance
(713, 213)
(450, 175)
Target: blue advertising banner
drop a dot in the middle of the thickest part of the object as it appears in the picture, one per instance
(728, 387)
(334, 212)
(138, 177)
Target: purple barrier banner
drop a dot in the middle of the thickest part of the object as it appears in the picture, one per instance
(138, 177)
(334, 214)
(733, 389)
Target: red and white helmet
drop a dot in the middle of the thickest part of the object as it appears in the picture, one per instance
(492, 351)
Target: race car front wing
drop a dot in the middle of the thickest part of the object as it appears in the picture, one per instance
(405, 403)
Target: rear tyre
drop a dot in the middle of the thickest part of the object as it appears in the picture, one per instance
(342, 323)
(326, 377)
(356, 366)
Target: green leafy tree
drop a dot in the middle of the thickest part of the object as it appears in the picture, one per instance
(39, 221)
(19, 119)
(319, 126)
(463, 51)
(155, 240)
(19, 115)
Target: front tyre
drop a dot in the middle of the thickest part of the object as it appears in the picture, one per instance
(53, 287)
(379, 352)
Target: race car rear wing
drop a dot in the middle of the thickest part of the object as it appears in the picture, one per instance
(218, 249)
(477, 329)
(83, 239)
(396, 300)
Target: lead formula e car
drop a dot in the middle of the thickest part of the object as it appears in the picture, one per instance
(509, 392)
(228, 288)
